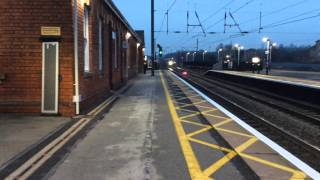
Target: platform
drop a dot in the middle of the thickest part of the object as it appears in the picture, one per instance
(162, 129)
(19, 132)
(281, 77)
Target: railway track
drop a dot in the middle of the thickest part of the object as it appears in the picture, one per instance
(303, 111)
(296, 145)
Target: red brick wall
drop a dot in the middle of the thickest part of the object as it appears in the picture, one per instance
(94, 87)
(21, 53)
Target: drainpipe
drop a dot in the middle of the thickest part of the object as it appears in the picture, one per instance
(76, 58)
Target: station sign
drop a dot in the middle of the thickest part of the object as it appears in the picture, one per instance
(50, 31)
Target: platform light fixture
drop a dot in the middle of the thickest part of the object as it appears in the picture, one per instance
(85, 2)
(138, 45)
(265, 39)
(128, 35)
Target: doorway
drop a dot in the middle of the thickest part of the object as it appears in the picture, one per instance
(50, 77)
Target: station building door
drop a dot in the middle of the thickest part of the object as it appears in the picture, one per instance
(50, 77)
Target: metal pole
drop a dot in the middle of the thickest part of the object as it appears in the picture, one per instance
(217, 60)
(193, 57)
(152, 38)
(239, 56)
(203, 56)
(218, 56)
(268, 54)
(76, 57)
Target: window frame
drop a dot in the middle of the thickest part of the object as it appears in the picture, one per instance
(101, 46)
(86, 40)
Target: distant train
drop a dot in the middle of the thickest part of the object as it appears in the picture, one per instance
(254, 64)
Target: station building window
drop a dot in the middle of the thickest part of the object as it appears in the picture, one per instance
(86, 39)
(101, 46)
(115, 50)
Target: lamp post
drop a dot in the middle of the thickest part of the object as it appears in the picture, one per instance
(268, 52)
(203, 55)
(271, 48)
(193, 56)
(152, 38)
(218, 58)
(187, 57)
(239, 50)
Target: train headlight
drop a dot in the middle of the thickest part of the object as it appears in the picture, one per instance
(256, 60)
(170, 63)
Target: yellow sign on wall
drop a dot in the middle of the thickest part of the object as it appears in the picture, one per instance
(51, 31)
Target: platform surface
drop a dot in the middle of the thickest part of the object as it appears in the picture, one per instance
(306, 75)
(306, 79)
(20, 131)
(162, 129)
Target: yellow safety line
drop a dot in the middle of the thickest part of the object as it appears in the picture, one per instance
(190, 115)
(298, 176)
(271, 164)
(234, 132)
(210, 110)
(192, 162)
(199, 131)
(222, 123)
(187, 110)
(216, 116)
(227, 158)
(213, 146)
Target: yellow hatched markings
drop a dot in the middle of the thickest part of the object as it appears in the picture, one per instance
(189, 97)
(213, 146)
(196, 113)
(199, 131)
(296, 174)
(227, 158)
(195, 123)
(234, 132)
(192, 162)
(196, 103)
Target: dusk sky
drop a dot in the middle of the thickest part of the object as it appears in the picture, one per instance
(277, 18)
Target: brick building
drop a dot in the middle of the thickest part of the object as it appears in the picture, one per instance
(62, 56)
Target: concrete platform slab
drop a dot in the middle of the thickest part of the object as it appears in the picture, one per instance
(19, 131)
(135, 140)
(233, 140)
(279, 78)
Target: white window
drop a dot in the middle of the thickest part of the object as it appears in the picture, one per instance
(115, 44)
(101, 39)
(86, 39)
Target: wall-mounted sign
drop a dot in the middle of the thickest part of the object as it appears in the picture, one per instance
(50, 31)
